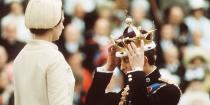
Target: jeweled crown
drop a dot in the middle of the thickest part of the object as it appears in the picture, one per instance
(133, 34)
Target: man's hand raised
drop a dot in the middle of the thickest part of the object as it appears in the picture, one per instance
(136, 55)
(112, 60)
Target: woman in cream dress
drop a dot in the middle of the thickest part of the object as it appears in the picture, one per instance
(42, 76)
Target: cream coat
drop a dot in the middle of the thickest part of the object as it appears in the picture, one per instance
(42, 76)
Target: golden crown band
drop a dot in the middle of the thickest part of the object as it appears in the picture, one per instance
(123, 41)
(147, 38)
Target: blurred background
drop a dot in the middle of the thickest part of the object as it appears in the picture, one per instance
(182, 38)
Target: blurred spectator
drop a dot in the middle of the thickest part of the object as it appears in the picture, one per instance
(90, 49)
(97, 42)
(10, 42)
(196, 39)
(79, 14)
(3, 57)
(139, 8)
(102, 32)
(196, 77)
(163, 4)
(4, 8)
(172, 69)
(16, 17)
(105, 10)
(69, 6)
(167, 40)
(194, 98)
(10, 1)
(196, 61)
(102, 38)
(72, 40)
(197, 21)
(121, 6)
(174, 16)
(83, 78)
(119, 15)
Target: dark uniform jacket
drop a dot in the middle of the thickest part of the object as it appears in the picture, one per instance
(143, 90)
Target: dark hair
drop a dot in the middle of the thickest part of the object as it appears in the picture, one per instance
(151, 56)
(38, 31)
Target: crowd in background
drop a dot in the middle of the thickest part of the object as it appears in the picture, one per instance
(182, 38)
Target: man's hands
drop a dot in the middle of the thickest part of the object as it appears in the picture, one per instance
(136, 55)
(112, 60)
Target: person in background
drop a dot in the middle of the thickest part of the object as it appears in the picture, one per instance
(101, 33)
(172, 69)
(194, 98)
(83, 78)
(41, 74)
(97, 41)
(174, 15)
(139, 8)
(72, 40)
(89, 50)
(167, 40)
(10, 42)
(195, 61)
(105, 10)
(78, 17)
(16, 16)
(198, 22)
(101, 37)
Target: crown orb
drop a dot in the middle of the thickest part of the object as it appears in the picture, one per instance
(129, 20)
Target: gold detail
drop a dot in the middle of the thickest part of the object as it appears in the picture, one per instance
(166, 81)
(122, 41)
(124, 95)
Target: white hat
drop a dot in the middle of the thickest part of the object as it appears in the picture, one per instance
(43, 14)
(194, 52)
(197, 4)
(142, 4)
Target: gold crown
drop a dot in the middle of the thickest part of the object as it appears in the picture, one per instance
(135, 35)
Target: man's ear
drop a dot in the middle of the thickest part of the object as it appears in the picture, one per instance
(145, 60)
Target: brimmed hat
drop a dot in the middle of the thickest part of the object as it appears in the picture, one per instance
(133, 34)
(192, 53)
(43, 14)
(198, 4)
